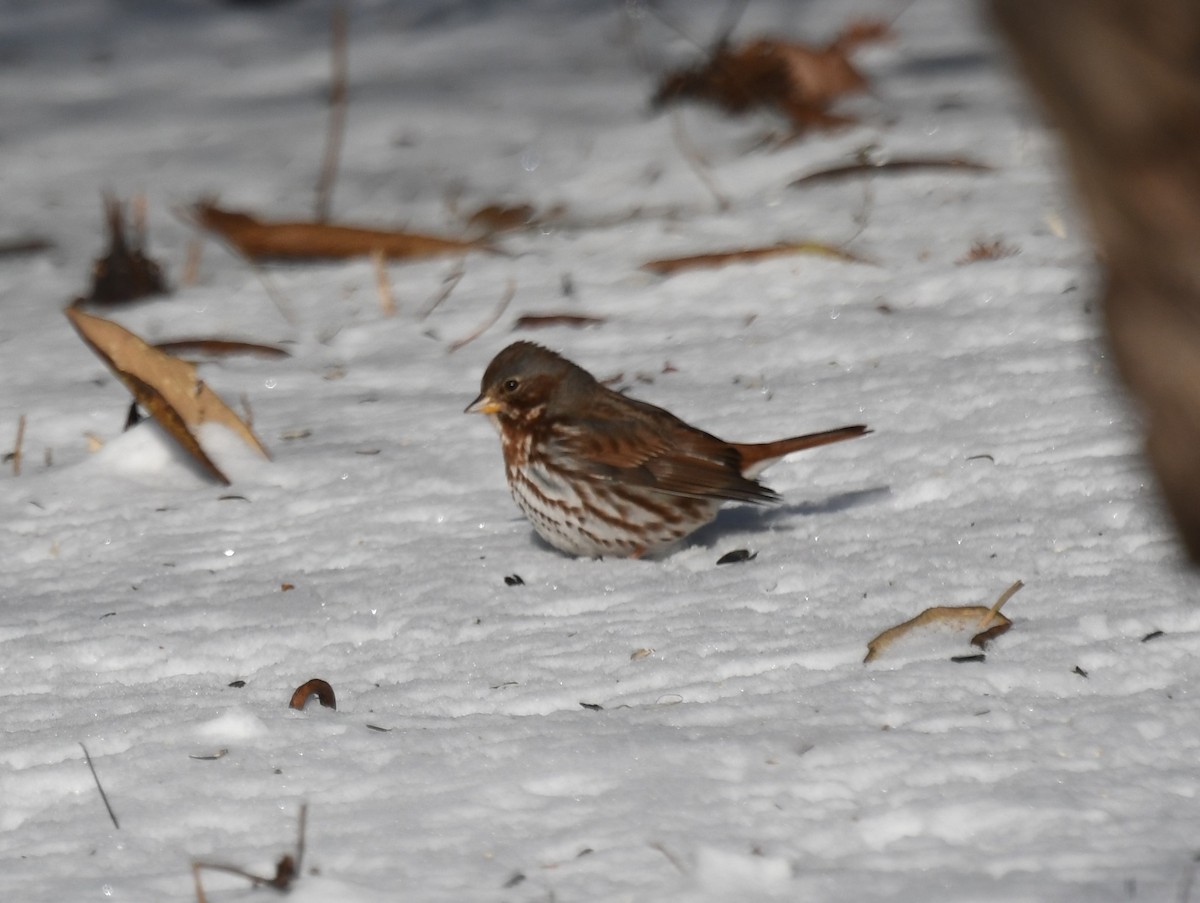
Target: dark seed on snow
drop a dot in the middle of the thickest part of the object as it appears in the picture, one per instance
(737, 555)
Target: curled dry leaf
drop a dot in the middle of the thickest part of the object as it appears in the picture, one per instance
(165, 386)
(982, 624)
(668, 266)
(798, 81)
(314, 687)
(302, 240)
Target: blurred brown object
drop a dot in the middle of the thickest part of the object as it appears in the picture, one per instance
(1121, 80)
(125, 273)
(799, 81)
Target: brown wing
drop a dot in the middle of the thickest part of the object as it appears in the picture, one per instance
(638, 444)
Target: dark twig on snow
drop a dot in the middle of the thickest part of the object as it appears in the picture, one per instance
(95, 777)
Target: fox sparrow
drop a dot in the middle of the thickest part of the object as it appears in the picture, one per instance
(598, 473)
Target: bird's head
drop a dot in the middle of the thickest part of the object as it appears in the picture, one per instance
(525, 381)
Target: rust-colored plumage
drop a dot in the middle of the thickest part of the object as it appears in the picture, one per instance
(600, 474)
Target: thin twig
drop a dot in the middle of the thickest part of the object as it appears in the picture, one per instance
(15, 454)
(337, 114)
(694, 160)
(630, 32)
(1189, 878)
(496, 314)
(300, 838)
(247, 410)
(287, 869)
(191, 263)
(32, 244)
(104, 796)
(862, 216)
(137, 230)
(671, 857)
(278, 298)
(200, 897)
(256, 880)
(383, 285)
(898, 165)
(671, 25)
(729, 21)
(448, 285)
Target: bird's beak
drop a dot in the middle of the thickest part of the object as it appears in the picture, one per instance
(482, 405)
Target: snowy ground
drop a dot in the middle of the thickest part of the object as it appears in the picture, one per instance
(751, 755)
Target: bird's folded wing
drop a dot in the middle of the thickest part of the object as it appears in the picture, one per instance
(666, 456)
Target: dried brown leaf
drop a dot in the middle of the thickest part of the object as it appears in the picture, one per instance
(220, 348)
(302, 240)
(314, 687)
(165, 386)
(540, 321)
(670, 265)
(492, 218)
(980, 622)
(893, 166)
(797, 80)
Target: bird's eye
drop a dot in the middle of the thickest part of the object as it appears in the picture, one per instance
(510, 385)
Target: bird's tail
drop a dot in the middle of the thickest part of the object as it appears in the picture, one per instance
(758, 456)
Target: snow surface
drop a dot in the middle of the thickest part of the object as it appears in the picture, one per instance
(751, 755)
